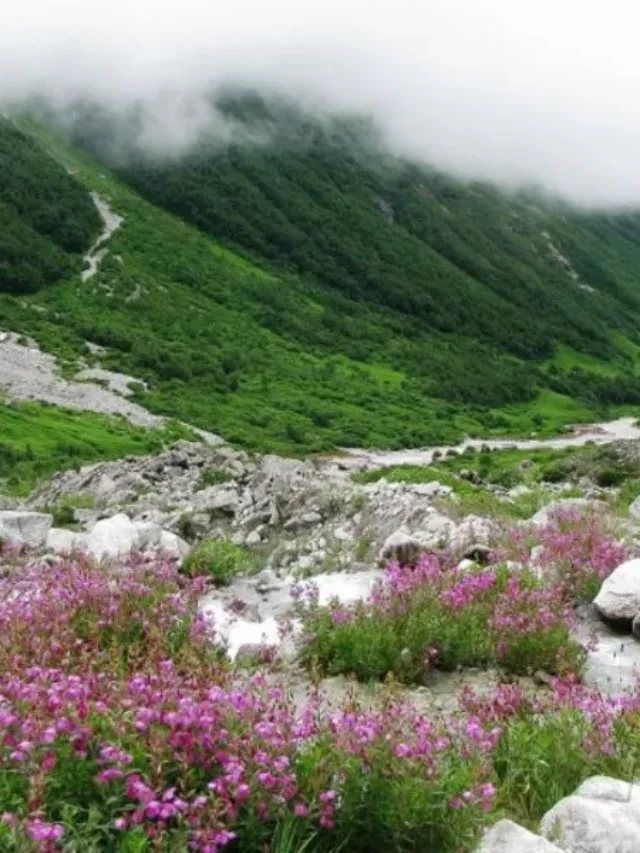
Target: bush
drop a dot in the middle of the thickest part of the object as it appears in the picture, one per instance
(219, 560)
(434, 615)
(212, 477)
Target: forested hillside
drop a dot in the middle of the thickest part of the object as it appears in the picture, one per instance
(298, 289)
(47, 220)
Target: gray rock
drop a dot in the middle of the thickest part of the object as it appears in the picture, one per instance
(217, 499)
(401, 547)
(113, 537)
(635, 627)
(307, 519)
(267, 580)
(607, 788)
(62, 541)
(508, 837)
(588, 825)
(27, 528)
(544, 515)
(618, 601)
(253, 538)
(634, 509)
(173, 545)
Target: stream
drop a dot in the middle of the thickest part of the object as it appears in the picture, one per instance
(622, 429)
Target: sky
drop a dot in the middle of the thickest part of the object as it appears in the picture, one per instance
(512, 91)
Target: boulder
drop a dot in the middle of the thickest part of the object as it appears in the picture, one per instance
(607, 788)
(401, 547)
(113, 537)
(635, 627)
(27, 528)
(62, 541)
(544, 515)
(508, 837)
(618, 601)
(173, 545)
(634, 510)
(586, 824)
(436, 531)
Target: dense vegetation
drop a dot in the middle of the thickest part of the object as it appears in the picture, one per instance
(38, 440)
(331, 296)
(46, 218)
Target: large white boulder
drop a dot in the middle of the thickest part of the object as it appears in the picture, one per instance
(27, 528)
(113, 537)
(619, 598)
(603, 816)
(508, 837)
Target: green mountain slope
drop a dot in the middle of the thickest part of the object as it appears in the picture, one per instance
(307, 292)
(46, 219)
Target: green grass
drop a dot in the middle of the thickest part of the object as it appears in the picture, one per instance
(501, 468)
(37, 440)
(220, 560)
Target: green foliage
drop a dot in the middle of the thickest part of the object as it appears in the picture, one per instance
(322, 322)
(541, 759)
(46, 218)
(37, 440)
(212, 477)
(219, 559)
(398, 638)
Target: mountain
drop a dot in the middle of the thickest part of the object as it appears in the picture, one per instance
(297, 288)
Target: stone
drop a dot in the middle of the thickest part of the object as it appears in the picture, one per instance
(508, 837)
(113, 537)
(299, 522)
(618, 601)
(608, 788)
(27, 528)
(173, 545)
(436, 531)
(544, 515)
(217, 500)
(401, 547)
(634, 509)
(432, 490)
(253, 538)
(149, 535)
(586, 824)
(62, 541)
(635, 627)
(472, 531)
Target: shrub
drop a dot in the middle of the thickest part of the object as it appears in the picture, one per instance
(434, 615)
(212, 477)
(219, 560)
(63, 515)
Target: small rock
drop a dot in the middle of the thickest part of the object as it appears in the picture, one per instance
(402, 547)
(253, 538)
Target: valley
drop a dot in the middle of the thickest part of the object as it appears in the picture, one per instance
(319, 499)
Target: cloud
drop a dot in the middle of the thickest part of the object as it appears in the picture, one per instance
(509, 90)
